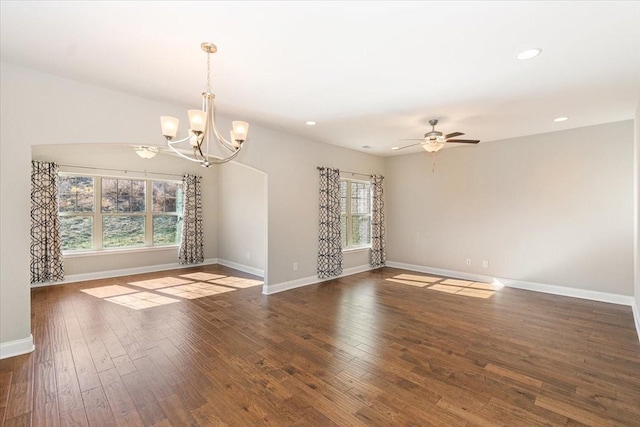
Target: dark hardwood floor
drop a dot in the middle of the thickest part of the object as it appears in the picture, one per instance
(387, 347)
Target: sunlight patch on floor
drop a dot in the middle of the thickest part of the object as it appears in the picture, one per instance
(238, 283)
(161, 282)
(414, 280)
(196, 290)
(450, 286)
(108, 291)
(207, 284)
(141, 300)
(201, 276)
(408, 282)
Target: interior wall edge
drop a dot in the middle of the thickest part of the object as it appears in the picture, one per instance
(311, 280)
(244, 268)
(636, 317)
(17, 347)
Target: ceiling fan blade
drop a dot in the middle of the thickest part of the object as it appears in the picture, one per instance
(407, 146)
(453, 135)
(464, 141)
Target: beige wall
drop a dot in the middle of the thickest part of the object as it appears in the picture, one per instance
(554, 208)
(119, 156)
(242, 215)
(41, 109)
(290, 163)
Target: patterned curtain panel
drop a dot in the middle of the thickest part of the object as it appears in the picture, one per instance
(330, 239)
(192, 246)
(46, 247)
(378, 251)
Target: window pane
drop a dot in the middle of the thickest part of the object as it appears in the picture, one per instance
(75, 194)
(109, 194)
(76, 232)
(360, 198)
(343, 197)
(167, 196)
(166, 229)
(361, 229)
(137, 202)
(122, 231)
(123, 195)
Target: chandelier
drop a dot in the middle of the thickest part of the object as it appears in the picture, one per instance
(203, 127)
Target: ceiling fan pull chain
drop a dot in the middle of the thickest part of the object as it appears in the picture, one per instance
(433, 161)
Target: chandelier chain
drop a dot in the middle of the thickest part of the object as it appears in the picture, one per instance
(208, 72)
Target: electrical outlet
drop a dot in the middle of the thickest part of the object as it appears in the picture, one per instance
(485, 263)
(248, 255)
(295, 266)
(468, 261)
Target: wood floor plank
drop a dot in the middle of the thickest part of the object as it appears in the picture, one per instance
(116, 393)
(68, 389)
(368, 349)
(573, 412)
(85, 369)
(97, 408)
(143, 398)
(74, 419)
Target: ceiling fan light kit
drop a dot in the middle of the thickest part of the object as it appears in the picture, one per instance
(434, 140)
(203, 127)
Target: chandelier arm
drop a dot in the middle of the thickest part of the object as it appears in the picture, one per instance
(226, 144)
(170, 144)
(226, 159)
(199, 149)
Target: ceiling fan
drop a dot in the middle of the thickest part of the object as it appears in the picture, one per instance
(433, 141)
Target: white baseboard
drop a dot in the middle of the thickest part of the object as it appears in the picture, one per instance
(72, 278)
(310, 280)
(521, 284)
(17, 347)
(636, 317)
(241, 267)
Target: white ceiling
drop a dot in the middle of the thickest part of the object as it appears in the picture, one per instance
(368, 72)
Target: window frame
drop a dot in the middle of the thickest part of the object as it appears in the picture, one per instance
(348, 215)
(97, 215)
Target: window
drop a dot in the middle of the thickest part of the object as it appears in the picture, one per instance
(355, 203)
(132, 213)
(76, 209)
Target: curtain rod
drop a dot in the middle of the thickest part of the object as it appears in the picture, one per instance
(352, 173)
(121, 170)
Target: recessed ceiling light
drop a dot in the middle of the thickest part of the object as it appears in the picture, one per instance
(310, 123)
(395, 148)
(561, 119)
(529, 53)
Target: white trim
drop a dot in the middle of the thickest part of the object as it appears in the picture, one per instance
(356, 249)
(310, 280)
(521, 284)
(241, 267)
(101, 252)
(17, 347)
(72, 278)
(636, 317)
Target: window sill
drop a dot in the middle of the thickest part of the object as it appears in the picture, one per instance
(357, 249)
(101, 252)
